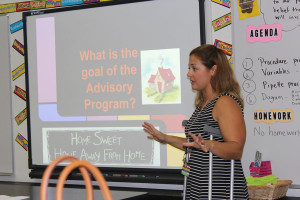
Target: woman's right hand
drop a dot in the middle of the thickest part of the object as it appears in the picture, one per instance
(154, 133)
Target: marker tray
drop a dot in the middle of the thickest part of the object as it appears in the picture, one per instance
(263, 170)
(270, 192)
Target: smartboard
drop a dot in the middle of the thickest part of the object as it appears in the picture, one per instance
(96, 73)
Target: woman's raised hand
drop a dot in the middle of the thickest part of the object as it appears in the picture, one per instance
(154, 133)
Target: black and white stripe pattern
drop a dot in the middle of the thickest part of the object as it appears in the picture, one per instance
(197, 182)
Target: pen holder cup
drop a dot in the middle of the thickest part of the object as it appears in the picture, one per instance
(263, 170)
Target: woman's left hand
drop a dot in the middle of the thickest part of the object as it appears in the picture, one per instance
(199, 143)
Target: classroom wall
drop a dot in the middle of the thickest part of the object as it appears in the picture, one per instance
(5, 120)
(20, 155)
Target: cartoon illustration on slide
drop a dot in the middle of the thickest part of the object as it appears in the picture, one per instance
(162, 81)
(161, 76)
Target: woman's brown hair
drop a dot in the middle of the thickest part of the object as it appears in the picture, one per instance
(223, 80)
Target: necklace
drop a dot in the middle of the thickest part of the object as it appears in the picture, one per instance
(187, 129)
(207, 101)
(195, 115)
(193, 118)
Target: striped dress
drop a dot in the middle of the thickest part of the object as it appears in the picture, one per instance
(197, 182)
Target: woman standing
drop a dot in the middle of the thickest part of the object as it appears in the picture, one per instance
(219, 105)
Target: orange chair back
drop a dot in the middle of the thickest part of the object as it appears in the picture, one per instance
(85, 167)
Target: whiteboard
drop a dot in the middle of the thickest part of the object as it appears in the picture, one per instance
(6, 150)
(267, 64)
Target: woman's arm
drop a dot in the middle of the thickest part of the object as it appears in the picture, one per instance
(155, 134)
(231, 122)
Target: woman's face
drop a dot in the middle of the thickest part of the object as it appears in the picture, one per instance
(199, 75)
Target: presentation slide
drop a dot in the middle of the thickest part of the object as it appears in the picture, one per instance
(96, 73)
